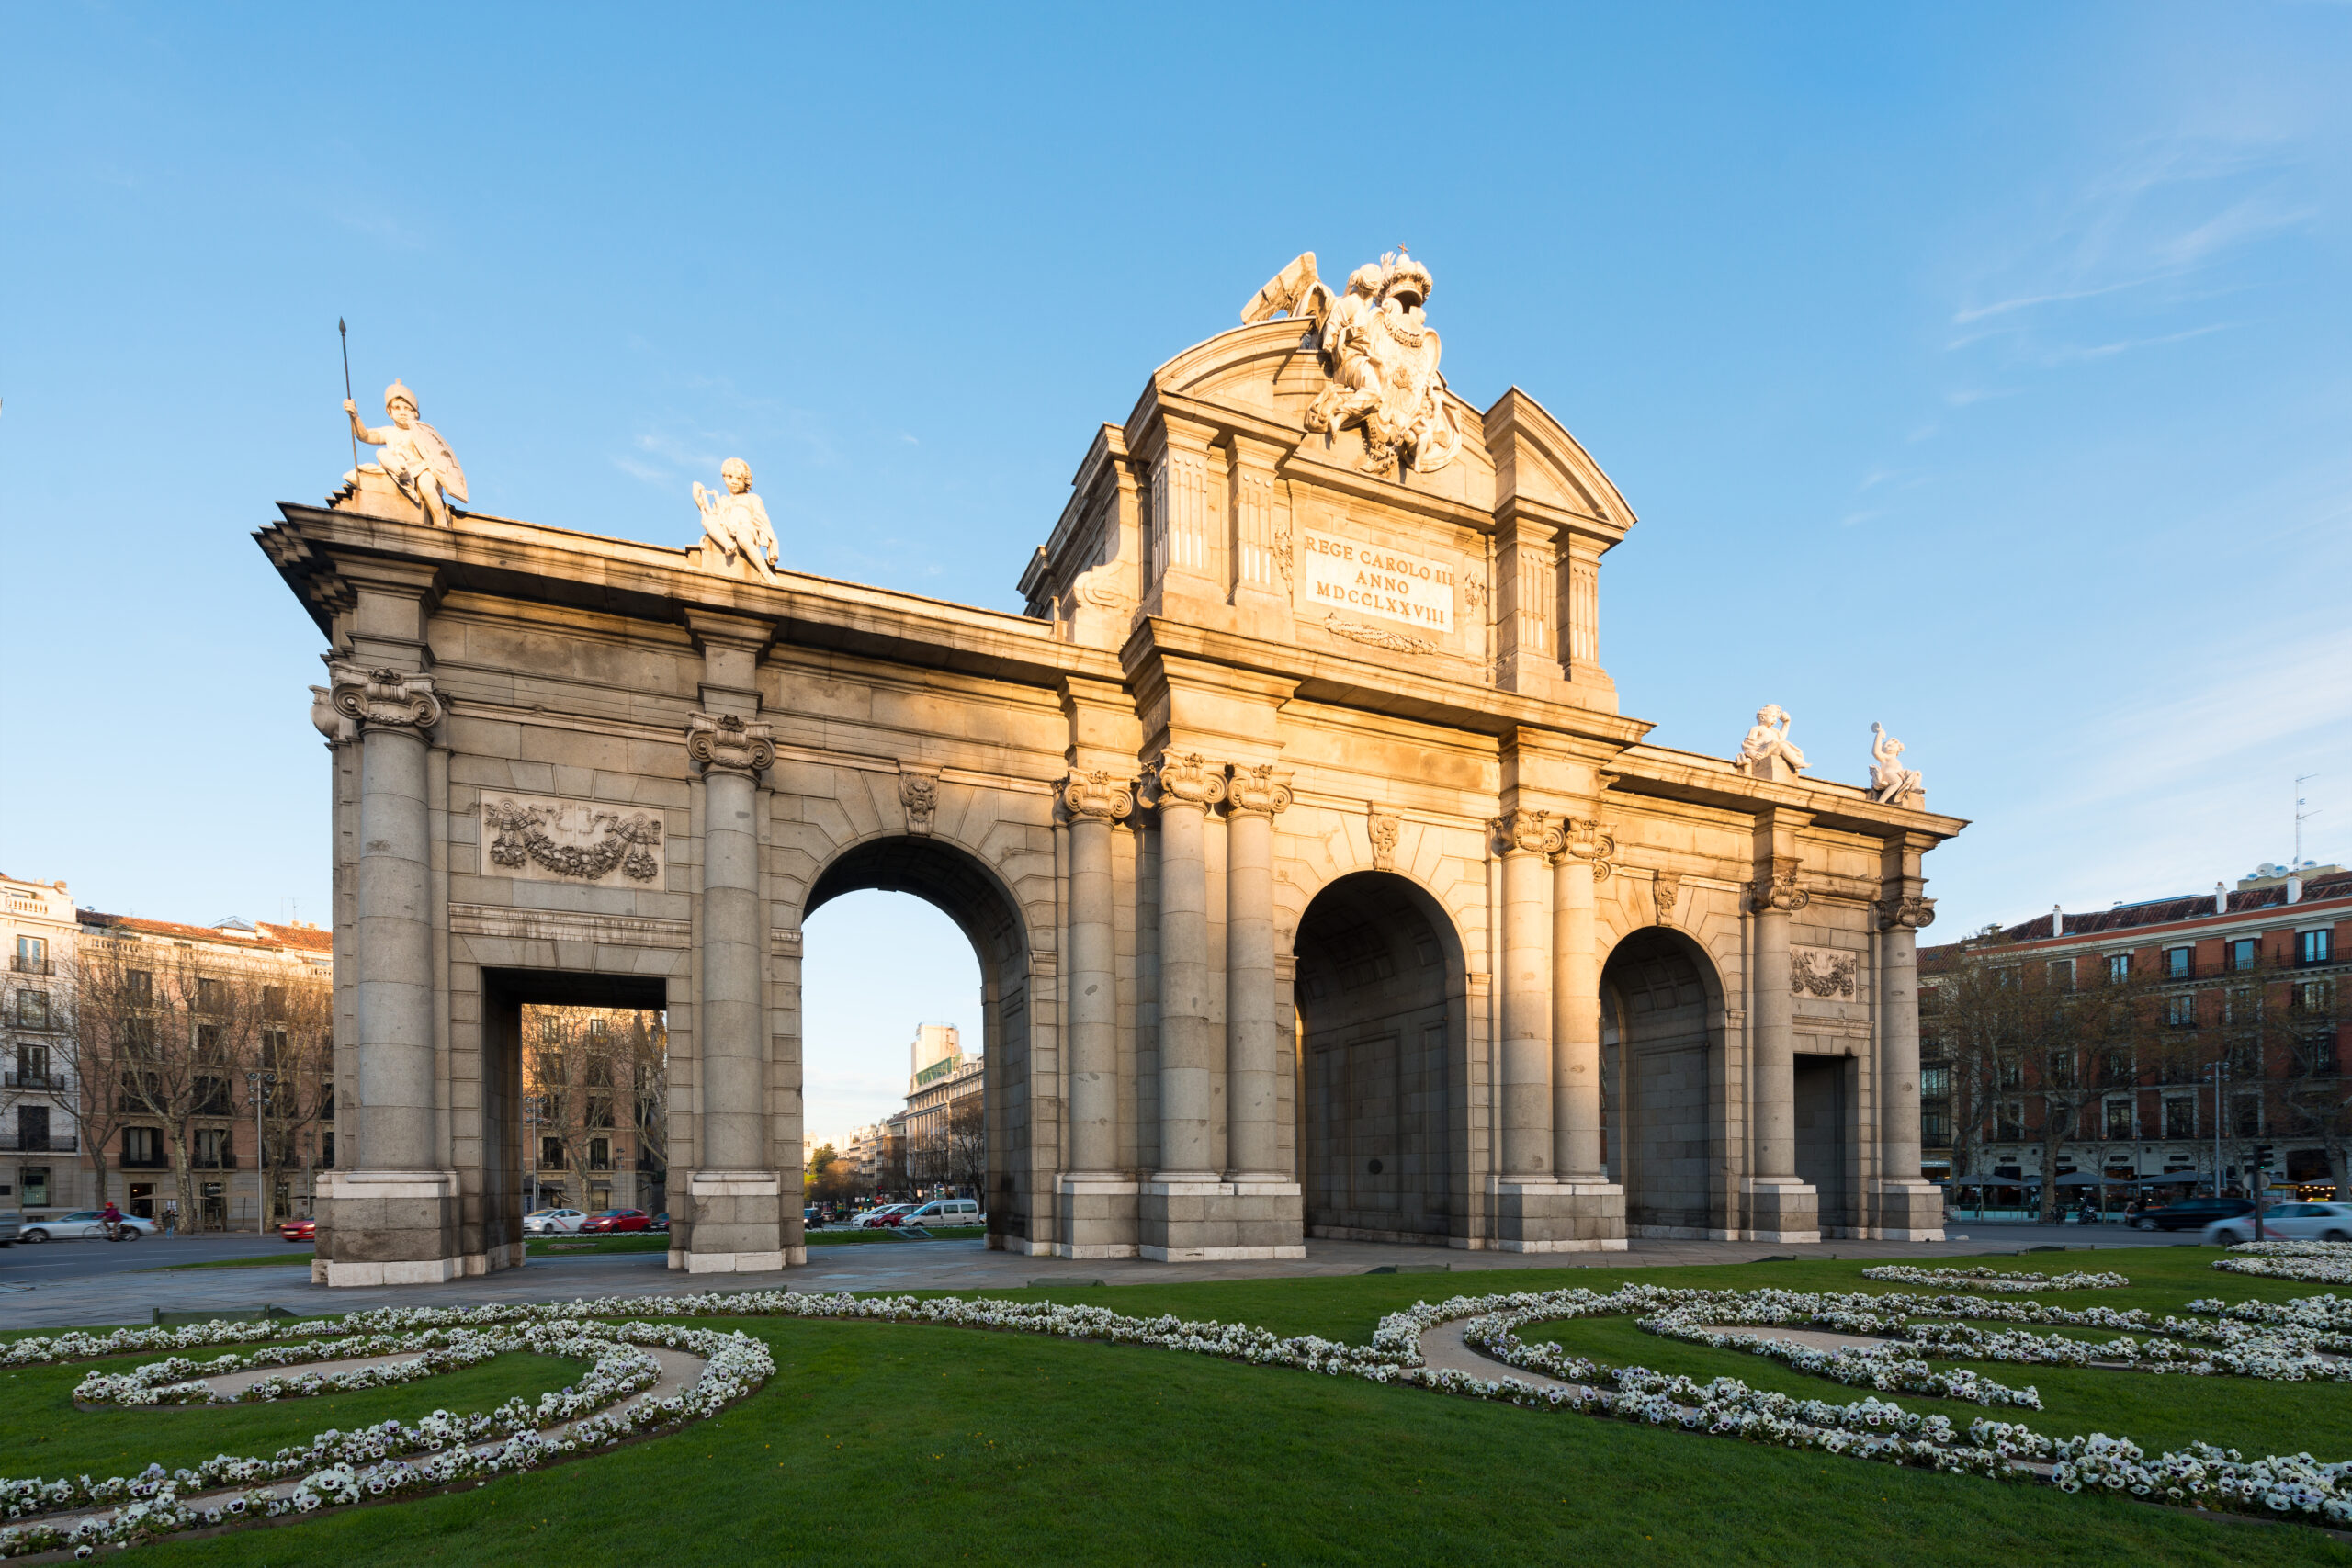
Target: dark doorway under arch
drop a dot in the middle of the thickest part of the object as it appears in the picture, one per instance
(1381, 997)
(1660, 1071)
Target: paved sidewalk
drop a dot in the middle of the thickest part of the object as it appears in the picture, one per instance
(932, 1266)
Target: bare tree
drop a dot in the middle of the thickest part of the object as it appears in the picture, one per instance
(292, 1080)
(966, 1151)
(100, 1017)
(2303, 1020)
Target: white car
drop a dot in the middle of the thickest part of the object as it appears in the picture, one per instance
(548, 1222)
(2286, 1221)
(945, 1212)
(84, 1224)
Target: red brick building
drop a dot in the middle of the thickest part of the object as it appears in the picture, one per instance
(2252, 980)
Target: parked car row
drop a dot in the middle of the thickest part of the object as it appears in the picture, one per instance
(603, 1221)
(936, 1211)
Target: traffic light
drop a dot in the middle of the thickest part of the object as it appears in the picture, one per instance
(2262, 1156)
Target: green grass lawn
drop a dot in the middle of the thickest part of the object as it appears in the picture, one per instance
(265, 1261)
(894, 1443)
(863, 1238)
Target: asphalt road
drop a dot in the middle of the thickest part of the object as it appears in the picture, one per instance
(46, 1262)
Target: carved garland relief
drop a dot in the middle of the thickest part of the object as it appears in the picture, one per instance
(1825, 972)
(568, 840)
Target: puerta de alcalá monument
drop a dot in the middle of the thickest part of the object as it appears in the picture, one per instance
(1319, 885)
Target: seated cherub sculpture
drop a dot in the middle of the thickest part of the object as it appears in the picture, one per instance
(416, 458)
(735, 523)
(1768, 752)
(1890, 780)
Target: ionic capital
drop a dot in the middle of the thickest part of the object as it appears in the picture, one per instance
(1256, 791)
(374, 699)
(1908, 910)
(1581, 838)
(1777, 889)
(1534, 832)
(723, 743)
(1187, 781)
(1097, 795)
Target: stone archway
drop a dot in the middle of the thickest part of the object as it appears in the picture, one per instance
(958, 883)
(1661, 1076)
(1382, 1072)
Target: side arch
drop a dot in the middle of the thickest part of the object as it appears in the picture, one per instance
(1663, 1083)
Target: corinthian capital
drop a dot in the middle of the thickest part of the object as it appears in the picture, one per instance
(1581, 838)
(726, 744)
(1778, 890)
(1187, 781)
(1533, 831)
(376, 699)
(1097, 795)
(1908, 910)
(1256, 791)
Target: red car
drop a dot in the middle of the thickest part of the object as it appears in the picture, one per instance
(300, 1230)
(610, 1220)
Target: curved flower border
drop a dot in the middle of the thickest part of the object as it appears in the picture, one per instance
(338, 1468)
(2310, 1263)
(1991, 1280)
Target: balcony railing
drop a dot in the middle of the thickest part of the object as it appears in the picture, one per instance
(24, 965)
(18, 1142)
(37, 1080)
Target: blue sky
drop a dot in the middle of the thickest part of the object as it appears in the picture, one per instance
(1982, 369)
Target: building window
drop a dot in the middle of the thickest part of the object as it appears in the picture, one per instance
(2119, 1121)
(2061, 975)
(2006, 977)
(1935, 1083)
(2119, 967)
(600, 1111)
(143, 1148)
(2180, 962)
(2012, 1072)
(2181, 1012)
(208, 996)
(600, 1072)
(2009, 1124)
(2180, 1118)
(2246, 1116)
(2314, 947)
(2315, 997)
(141, 986)
(1935, 1129)
(32, 955)
(600, 1153)
(35, 1181)
(2241, 953)
(326, 1151)
(600, 1197)
(597, 1028)
(32, 1067)
(213, 1151)
(32, 1009)
(551, 1154)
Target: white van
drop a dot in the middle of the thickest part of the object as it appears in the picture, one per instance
(944, 1211)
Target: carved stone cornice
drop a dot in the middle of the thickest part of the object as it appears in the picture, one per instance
(1187, 779)
(1908, 910)
(1384, 830)
(1256, 791)
(1534, 832)
(723, 743)
(1581, 838)
(1777, 890)
(376, 699)
(1097, 795)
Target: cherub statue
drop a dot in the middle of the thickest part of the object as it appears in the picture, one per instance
(1890, 780)
(414, 457)
(1766, 750)
(735, 523)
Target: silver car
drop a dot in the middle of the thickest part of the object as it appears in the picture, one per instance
(85, 1224)
(2286, 1221)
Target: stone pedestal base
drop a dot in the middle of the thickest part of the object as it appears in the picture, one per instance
(737, 1225)
(1559, 1216)
(1910, 1211)
(1097, 1216)
(1189, 1218)
(1783, 1209)
(389, 1227)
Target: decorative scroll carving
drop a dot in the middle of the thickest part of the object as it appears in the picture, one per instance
(1824, 972)
(1778, 890)
(1097, 794)
(1256, 791)
(1533, 831)
(1187, 779)
(339, 728)
(381, 699)
(1378, 637)
(1282, 556)
(1383, 829)
(1666, 891)
(724, 743)
(918, 792)
(1908, 910)
(1582, 839)
(593, 843)
(1891, 782)
(1767, 752)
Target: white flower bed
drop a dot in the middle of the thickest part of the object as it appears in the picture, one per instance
(339, 1468)
(1991, 1279)
(2310, 1262)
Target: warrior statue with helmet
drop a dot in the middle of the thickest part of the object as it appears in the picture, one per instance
(1379, 358)
(414, 457)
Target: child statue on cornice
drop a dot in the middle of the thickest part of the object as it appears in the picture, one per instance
(735, 523)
